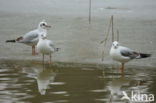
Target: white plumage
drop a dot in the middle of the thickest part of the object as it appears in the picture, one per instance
(46, 47)
(31, 38)
(124, 54)
(116, 54)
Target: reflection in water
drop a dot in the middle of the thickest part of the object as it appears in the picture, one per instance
(137, 81)
(44, 76)
(44, 79)
(115, 87)
(27, 82)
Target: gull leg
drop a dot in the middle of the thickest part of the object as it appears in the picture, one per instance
(43, 59)
(35, 53)
(122, 69)
(50, 59)
(32, 50)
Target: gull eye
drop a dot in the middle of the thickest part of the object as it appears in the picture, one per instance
(43, 24)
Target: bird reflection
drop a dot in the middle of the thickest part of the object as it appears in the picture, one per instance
(115, 87)
(43, 75)
(44, 78)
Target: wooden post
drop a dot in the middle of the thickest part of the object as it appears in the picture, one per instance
(90, 3)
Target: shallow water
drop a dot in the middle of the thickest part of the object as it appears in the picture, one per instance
(31, 82)
(80, 41)
(24, 80)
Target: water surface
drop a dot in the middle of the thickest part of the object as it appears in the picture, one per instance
(31, 82)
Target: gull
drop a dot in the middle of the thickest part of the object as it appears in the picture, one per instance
(124, 54)
(46, 47)
(31, 38)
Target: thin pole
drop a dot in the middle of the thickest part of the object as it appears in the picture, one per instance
(117, 35)
(89, 11)
(105, 40)
(112, 29)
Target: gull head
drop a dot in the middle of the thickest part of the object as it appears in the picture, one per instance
(115, 45)
(43, 36)
(44, 25)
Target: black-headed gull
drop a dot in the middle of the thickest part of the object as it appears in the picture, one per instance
(124, 54)
(31, 38)
(46, 47)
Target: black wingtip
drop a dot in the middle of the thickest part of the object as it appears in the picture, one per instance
(145, 55)
(10, 41)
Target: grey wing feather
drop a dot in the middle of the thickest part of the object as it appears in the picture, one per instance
(127, 53)
(30, 37)
(53, 46)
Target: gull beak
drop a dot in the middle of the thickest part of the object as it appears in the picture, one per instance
(48, 26)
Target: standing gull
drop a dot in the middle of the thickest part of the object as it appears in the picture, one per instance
(46, 47)
(31, 38)
(124, 54)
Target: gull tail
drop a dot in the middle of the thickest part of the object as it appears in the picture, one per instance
(10, 41)
(57, 49)
(18, 39)
(143, 55)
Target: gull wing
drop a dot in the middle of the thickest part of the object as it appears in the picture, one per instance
(126, 52)
(53, 46)
(30, 37)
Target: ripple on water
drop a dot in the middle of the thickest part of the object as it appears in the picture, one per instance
(57, 83)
